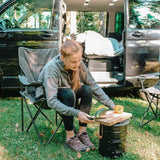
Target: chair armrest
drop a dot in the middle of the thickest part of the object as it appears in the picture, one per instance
(142, 79)
(23, 80)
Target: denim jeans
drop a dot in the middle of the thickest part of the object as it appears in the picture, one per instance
(81, 99)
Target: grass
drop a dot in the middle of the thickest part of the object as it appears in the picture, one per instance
(143, 143)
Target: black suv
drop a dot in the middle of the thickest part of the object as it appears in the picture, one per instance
(39, 24)
(27, 23)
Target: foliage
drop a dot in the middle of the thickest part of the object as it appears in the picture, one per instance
(2, 1)
(88, 21)
(29, 14)
(144, 14)
(143, 143)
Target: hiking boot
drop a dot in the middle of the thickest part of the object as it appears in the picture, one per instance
(75, 144)
(83, 137)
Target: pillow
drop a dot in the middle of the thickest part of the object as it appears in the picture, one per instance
(96, 44)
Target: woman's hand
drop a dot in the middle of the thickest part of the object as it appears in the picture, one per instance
(83, 117)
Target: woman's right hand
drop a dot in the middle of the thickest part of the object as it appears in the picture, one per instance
(83, 118)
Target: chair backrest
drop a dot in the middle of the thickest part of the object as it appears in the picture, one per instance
(31, 61)
(157, 85)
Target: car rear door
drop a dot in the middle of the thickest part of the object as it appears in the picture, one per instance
(142, 34)
(28, 23)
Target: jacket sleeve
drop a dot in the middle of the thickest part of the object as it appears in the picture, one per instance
(49, 78)
(51, 89)
(98, 93)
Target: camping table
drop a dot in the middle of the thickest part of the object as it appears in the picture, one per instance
(111, 118)
(112, 133)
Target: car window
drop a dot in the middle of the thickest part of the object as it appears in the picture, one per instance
(144, 14)
(119, 24)
(27, 14)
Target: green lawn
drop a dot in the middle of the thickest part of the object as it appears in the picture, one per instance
(143, 143)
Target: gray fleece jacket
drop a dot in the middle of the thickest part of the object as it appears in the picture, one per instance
(54, 76)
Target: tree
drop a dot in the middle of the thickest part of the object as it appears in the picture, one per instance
(144, 14)
(88, 21)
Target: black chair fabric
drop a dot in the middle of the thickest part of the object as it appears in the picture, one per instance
(31, 62)
(152, 95)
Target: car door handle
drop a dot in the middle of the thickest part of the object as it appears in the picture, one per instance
(9, 35)
(46, 34)
(137, 34)
(2, 35)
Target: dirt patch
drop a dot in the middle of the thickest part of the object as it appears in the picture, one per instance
(2, 153)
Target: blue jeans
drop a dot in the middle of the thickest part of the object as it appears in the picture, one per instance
(81, 99)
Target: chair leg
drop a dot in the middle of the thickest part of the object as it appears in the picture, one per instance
(156, 105)
(141, 124)
(150, 101)
(151, 119)
(45, 116)
(34, 118)
(56, 117)
(22, 113)
(54, 132)
(36, 115)
(33, 121)
(39, 110)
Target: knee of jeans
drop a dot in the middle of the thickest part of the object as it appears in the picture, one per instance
(69, 94)
(69, 97)
(87, 90)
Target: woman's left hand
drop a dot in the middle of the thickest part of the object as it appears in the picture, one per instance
(83, 117)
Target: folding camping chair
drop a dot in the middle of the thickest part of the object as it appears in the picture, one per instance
(152, 95)
(31, 62)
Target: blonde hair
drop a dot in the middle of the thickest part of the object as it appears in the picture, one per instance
(70, 47)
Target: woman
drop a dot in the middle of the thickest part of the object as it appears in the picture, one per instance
(69, 87)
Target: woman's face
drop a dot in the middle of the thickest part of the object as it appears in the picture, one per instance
(72, 61)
